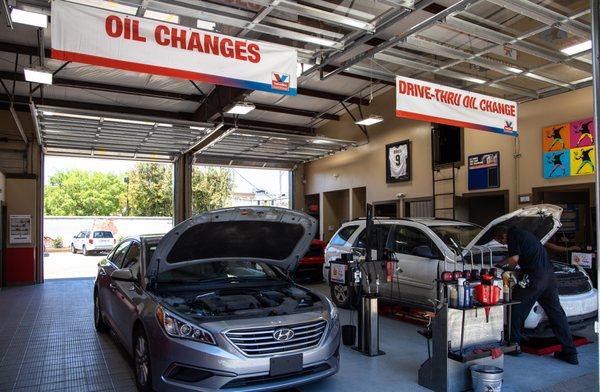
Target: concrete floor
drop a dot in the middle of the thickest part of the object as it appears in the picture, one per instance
(48, 342)
(62, 265)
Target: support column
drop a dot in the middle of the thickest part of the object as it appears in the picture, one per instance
(595, 8)
(182, 188)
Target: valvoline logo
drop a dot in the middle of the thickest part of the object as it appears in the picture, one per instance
(280, 81)
(508, 126)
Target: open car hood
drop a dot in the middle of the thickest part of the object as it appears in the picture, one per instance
(543, 220)
(277, 236)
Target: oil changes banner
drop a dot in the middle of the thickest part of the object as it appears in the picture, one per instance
(101, 37)
(425, 101)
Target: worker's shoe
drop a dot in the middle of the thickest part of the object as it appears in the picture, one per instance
(568, 358)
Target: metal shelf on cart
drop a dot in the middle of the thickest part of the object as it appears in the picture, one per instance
(464, 358)
(478, 306)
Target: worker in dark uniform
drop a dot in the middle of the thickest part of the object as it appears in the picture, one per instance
(537, 283)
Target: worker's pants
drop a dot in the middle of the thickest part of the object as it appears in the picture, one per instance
(543, 290)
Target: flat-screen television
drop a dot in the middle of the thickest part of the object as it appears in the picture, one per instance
(447, 144)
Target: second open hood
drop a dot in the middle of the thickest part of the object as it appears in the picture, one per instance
(277, 236)
(543, 220)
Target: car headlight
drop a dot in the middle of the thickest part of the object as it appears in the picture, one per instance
(333, 311)
(178, 328)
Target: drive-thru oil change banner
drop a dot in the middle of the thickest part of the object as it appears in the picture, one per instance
(95, 36)
(425, 101)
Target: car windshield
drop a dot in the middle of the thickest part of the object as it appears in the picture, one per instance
(219, 271)
(462, 234)
(103, 234)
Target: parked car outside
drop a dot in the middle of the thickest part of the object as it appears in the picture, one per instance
(311, 264)
(93, 241)
(424, 248)
(209, 305)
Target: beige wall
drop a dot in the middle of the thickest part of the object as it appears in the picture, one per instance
(21, 200)
(365, 165)
(533, 116)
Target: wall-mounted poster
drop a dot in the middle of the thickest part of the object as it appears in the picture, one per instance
(20, 229)
(397, 158)
(569, 149)
(484, 170)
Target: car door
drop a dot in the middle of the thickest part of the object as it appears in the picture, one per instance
(77, 240)
(415, 275)
(127, 294)
(106, 267)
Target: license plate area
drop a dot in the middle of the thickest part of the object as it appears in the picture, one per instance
(286, 364)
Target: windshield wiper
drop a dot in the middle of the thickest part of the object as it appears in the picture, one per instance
(227, 279)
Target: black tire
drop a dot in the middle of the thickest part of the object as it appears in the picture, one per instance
(141, 361)
(342, 296)
(84, 251)
(73, 250)
(98, 320)
(316, 277)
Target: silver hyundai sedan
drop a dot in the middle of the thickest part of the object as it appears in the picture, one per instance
(209, 305)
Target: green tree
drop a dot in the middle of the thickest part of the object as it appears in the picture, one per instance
(81, 193)
(211, 188)
(150, 190)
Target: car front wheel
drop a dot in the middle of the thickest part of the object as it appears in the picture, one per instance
(141, 361)
(73, 250)
(84, 251)
(342, 296)
(98, 320)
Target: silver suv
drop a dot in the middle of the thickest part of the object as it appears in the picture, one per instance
(424, 249)
(209, 305)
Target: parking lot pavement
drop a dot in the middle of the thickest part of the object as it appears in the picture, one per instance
(65, 265)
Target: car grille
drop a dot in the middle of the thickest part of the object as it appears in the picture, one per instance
(253, 381)
(260, 341)
(573, 283)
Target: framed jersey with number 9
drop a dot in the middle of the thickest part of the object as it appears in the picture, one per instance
(397, 161)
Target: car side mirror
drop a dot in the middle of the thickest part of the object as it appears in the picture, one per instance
(424, 251)
(123, 274)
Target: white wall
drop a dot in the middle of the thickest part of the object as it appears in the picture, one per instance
(121, 226)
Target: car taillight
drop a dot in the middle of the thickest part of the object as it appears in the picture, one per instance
(91, 240)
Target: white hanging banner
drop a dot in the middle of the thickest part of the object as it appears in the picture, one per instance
(431, 102)
(96, 36)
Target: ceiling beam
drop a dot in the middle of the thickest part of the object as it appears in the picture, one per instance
(296, 112)
(332, 96)
(267, 126)
(23, 103)
(80, 84)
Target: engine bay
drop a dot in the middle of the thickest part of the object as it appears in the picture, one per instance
(242, 302)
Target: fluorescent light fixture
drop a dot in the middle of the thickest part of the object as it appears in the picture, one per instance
(372, 119)
(29, 18)
(321, 141)
(198, 128)
(126, 121)
(108, 5)
(588, 79)
(71, 115)
(241, 108)
(161, 16)
(38, 75)
(205, 25)
(578, 48)
(514, 70)
(474, 80)
(164, 125)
